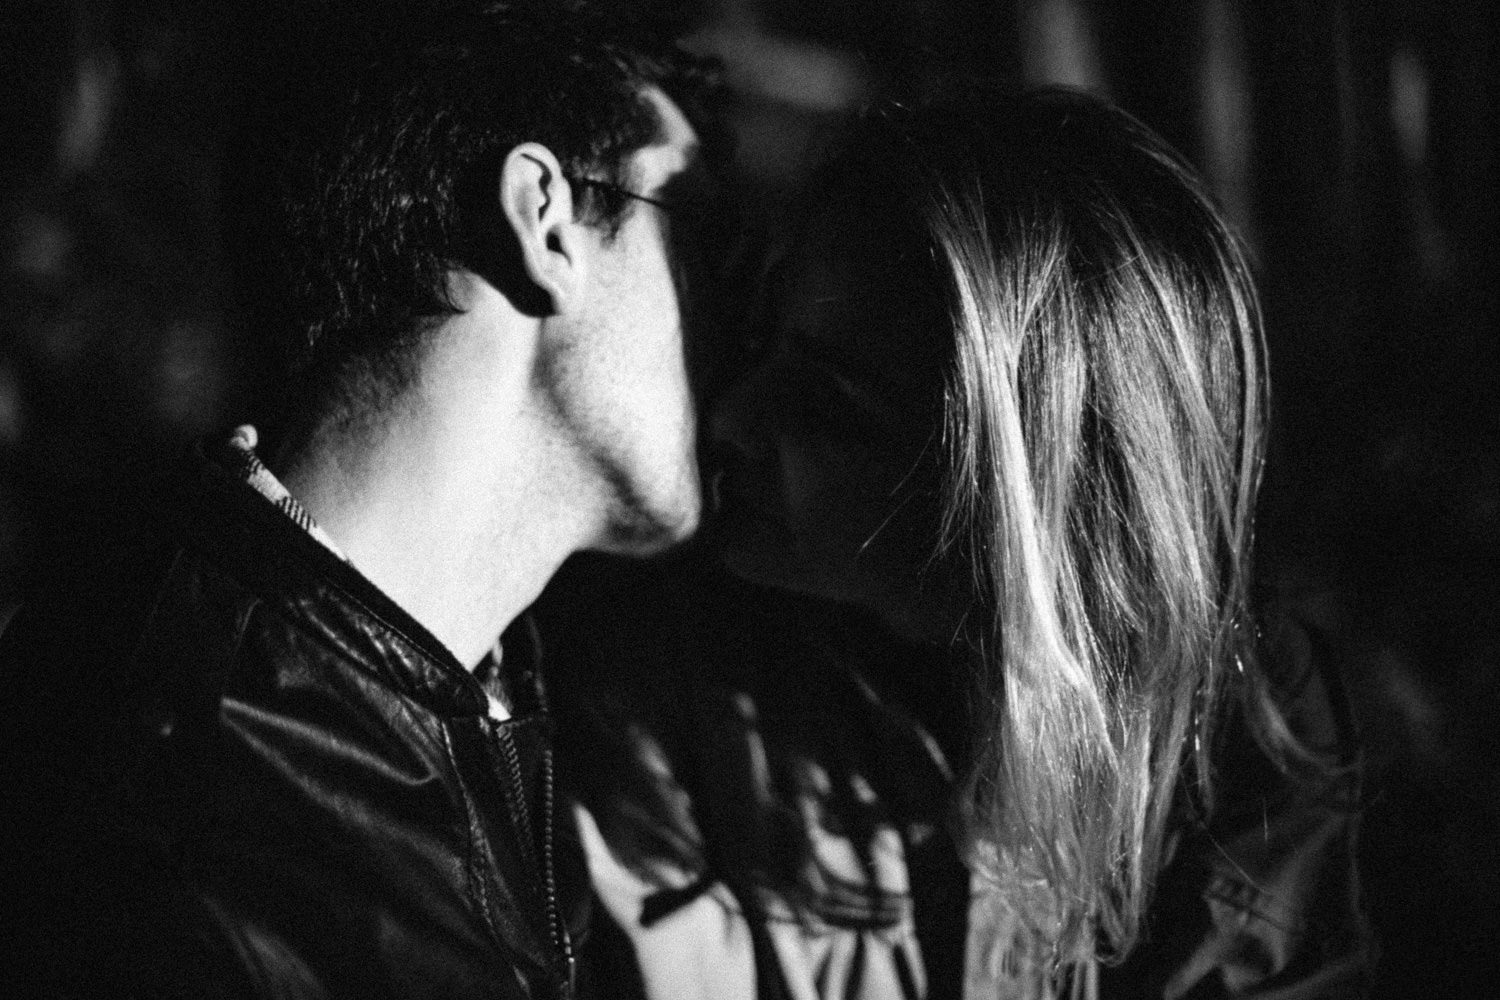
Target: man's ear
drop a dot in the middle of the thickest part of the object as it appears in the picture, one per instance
(537, 202)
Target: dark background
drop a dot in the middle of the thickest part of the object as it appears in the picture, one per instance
(1354, 144)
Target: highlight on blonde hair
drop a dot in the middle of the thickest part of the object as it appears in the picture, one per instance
(1104, 417)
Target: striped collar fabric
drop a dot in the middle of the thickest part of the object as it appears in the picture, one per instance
(244, 463)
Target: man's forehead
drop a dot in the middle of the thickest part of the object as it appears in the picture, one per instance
(674, 148)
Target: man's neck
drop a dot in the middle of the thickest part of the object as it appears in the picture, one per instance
(456, 506)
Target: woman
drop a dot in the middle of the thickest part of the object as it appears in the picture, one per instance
(1009, 401)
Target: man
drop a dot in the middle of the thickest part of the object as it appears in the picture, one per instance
(275, 749)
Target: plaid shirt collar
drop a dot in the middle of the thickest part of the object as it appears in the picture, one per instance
(243, 462)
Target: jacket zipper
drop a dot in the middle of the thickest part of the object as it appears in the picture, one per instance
(562, 944)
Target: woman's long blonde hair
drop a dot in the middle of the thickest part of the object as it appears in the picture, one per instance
(1104, 416)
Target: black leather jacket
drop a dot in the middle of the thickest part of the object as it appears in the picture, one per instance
(230, 766)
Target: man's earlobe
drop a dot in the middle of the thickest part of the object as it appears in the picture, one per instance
(537, 202)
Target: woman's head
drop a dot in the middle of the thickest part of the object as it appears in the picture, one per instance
(833, 439)
(1017, 397)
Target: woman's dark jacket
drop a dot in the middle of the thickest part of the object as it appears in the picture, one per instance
(230, 766)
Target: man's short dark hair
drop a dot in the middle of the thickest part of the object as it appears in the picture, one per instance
(400, 184)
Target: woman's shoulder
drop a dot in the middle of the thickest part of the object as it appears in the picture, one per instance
(1264, 889)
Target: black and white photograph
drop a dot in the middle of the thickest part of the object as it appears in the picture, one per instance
(749, 499)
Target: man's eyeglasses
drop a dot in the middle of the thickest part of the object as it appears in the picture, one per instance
(704, 225)
(601, 185)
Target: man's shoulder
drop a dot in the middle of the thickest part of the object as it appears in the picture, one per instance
(67, 643)
(82, 635)
(79, 715)
(199, 780)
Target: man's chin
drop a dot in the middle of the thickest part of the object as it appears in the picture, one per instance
(681, 525)
(650, 530)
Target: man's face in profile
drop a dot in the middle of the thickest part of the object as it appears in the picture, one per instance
(628, 378)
